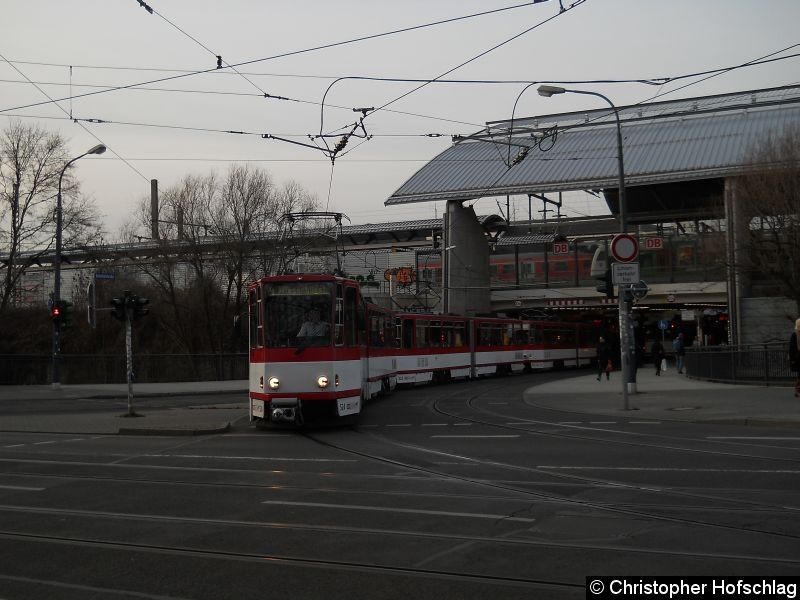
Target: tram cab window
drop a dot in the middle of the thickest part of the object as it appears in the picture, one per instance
(296, 314)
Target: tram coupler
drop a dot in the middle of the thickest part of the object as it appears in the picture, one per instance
(284, 411)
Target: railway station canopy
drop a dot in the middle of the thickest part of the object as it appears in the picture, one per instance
(676, 153)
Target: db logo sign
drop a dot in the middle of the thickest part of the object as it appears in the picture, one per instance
(653, 243)
(560, 247)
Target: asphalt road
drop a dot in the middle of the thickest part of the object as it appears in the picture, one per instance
(458, 491)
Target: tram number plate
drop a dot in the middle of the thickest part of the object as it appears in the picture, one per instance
(348, 406)
(257, 408)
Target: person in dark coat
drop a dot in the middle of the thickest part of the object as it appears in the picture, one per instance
(603, 359)
(657, 352)
(794, 356)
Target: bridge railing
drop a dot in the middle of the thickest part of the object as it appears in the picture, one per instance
(30, 369)
(759, 364)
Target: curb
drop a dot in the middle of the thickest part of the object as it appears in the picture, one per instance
(173, 431)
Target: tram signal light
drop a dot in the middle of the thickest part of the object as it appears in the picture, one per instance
(139, 309)
(66, 313)
(118, 308)
(605, 285)
(55, 314)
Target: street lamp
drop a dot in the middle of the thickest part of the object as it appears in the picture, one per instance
(625, 351)
(99, 149)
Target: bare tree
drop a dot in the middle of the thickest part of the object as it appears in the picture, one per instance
(769, 197)
(31, 160)
(212, 237)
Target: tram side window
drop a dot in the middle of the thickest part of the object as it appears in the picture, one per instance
(435, 334)
(407, 333)
(459, 335)
(490, 334)
(256, 318)
(555, 337)
(378, 331)
(521, 334)
(350, 317)
(422, 334)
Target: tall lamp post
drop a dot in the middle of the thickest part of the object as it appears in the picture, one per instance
(628, 374)
(99, 149)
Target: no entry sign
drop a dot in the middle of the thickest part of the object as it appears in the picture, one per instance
(624, 247)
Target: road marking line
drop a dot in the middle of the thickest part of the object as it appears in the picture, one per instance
(434, 424)
(475, 436)
(742, 437)
(42, 443)
(341, 460)
(14, 446)
(21, 487)
(462, 424)
(666, 469)
(401, 510)
(644, 422)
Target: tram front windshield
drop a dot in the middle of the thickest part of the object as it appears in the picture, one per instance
(298, 314)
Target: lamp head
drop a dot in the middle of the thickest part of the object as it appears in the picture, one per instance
(99, 149)
(549, 90)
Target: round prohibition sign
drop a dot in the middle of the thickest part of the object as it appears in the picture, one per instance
(624, 247)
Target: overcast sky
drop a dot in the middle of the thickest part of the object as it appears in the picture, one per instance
(164, 134)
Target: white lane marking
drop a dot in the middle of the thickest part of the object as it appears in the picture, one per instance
(569, 422)
(475, 436)
(644, 422)
(24, 488)
(666, 469)
(42, 443)
(435, 424)
(326, 460)
(14, 446)
(742, 437)
(462, 424)
(400, 510)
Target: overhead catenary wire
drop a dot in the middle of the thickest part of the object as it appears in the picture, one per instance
(287, 54)
(84, 127)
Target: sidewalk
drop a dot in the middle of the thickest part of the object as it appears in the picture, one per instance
(112, 419)
(671, 397)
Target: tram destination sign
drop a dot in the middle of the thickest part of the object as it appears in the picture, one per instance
(625, 273)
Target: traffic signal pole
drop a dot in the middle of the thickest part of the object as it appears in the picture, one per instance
(129, 358)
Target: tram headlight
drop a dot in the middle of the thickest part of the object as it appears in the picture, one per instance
(274, 383)
(322, 381)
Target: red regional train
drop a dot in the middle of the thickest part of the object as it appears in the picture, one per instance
(318, 351)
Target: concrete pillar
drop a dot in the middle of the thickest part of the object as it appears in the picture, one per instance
(465, 256)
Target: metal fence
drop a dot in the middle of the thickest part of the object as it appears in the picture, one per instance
(17, 369)
(761, 364)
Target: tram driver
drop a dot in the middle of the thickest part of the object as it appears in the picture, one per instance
(313, 327)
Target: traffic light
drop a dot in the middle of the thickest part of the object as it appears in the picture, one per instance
(605, 285)
(118, 308)
(56, 314)
(139, 309)
(66, 313)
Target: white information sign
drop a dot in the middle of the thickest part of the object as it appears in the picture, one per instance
(625, 273)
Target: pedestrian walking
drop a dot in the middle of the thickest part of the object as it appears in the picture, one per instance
(794, 356)
(657, 352)
(680, 351)
(603, 359)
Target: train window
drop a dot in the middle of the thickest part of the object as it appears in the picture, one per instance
(521, 332)
(459, 335)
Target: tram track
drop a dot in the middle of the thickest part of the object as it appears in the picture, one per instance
(593, 481)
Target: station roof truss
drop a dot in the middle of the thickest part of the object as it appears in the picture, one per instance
(663, 143)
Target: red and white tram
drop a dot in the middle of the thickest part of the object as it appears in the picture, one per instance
(319, 351)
